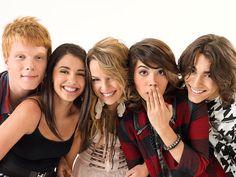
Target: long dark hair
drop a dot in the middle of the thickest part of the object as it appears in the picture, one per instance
(222, 55)
(83, 101)
(153, 52)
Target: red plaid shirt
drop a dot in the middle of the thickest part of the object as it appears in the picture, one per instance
(193, 127)
(4, 96)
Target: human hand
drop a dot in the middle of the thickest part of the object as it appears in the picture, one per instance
(138, 171)
(158, 111)
(63, 169)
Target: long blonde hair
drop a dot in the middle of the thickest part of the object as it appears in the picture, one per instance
(112, 56)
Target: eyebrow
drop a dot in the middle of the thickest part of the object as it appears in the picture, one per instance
(146, 67)
(205, 72)
(143, 66)
(83, 70)
(66, 67)
(41, 53)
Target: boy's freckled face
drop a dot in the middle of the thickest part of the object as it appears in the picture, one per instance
(26, 66)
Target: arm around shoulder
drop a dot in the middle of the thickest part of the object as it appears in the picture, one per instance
(23, 120)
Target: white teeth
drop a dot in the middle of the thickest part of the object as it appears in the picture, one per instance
(107, 94)
(70, 89)
(197, 91)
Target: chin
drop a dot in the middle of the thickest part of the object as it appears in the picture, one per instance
(194, 99)
(30, 88)
(109, 102)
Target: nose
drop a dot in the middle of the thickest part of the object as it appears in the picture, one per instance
(72, 79)
(154, 84)
(104, 84)
(152, 80)
(196, 80)
(29, 65)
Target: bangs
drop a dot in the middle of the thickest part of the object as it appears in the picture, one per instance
(32, 40)
(150, 57)
(151, 63)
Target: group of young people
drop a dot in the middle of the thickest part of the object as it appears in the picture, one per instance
(116, 111)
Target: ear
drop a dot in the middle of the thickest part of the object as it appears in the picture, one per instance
(6, 62)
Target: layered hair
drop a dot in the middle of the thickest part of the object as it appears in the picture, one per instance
(82, 102)
(222, 56)
(112, 56)
(26, 30)
(155, 54)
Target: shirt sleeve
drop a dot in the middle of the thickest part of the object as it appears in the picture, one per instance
(195, 157)
(224, 142)
(126, 134)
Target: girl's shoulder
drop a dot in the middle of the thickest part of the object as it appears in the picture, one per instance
(31, 104)
(31, 108)
(134, 117)
(25, 116)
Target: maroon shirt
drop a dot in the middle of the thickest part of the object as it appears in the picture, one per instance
(191, 123)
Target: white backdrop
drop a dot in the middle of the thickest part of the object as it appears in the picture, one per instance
(84, 22)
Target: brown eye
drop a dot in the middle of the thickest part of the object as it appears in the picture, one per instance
(192, 69)
(161, 72)
(143, 72)
(208, 75)
(39, 58)
(95, 79)
(81, 74)
(20, 56)
(64, 71)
